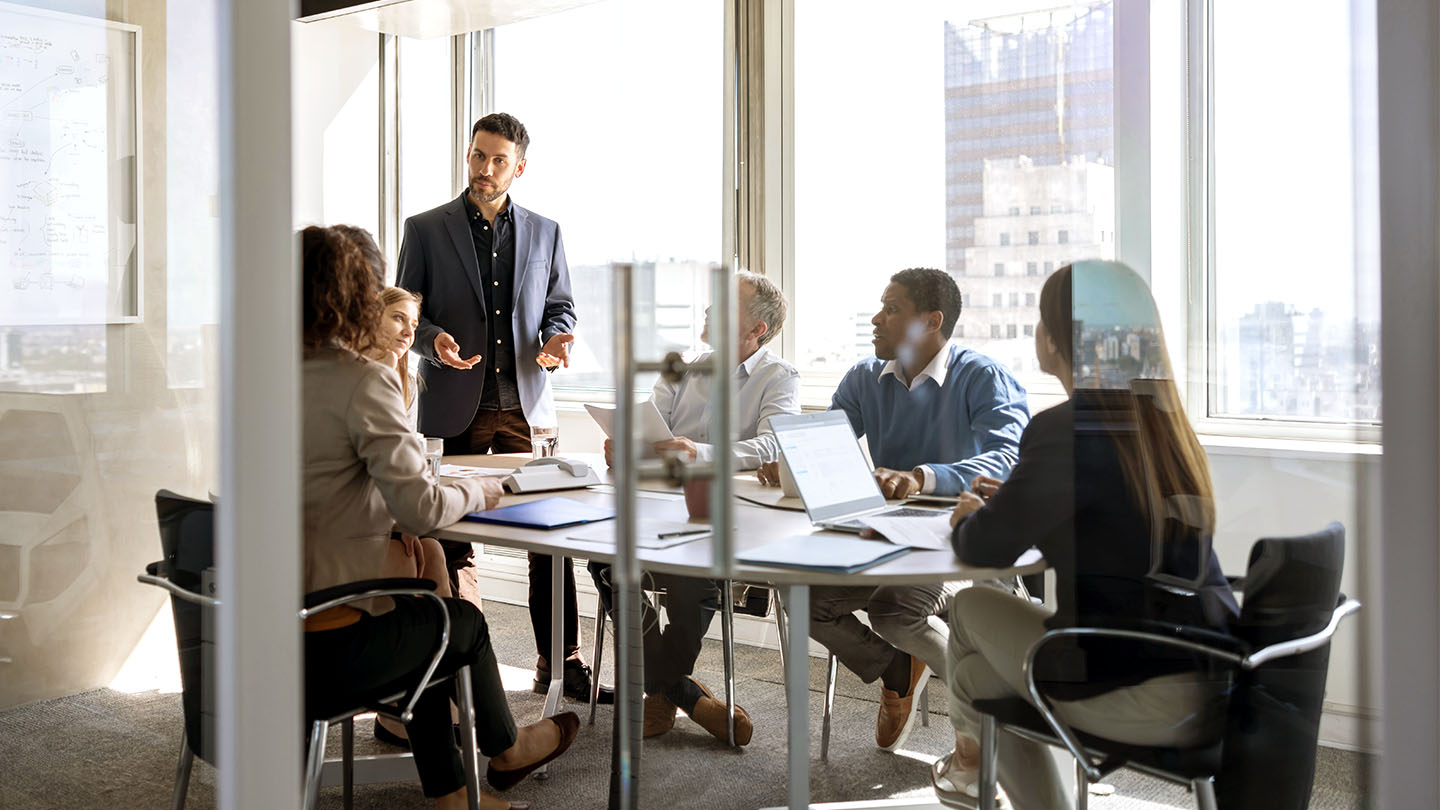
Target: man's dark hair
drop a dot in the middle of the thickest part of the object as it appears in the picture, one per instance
(932, 290)
(506, 126)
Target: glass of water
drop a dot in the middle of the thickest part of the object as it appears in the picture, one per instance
(434, 451)
(543, 441)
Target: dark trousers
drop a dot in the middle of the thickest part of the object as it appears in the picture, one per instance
(508, 432)
(690, 605)
(381, 655)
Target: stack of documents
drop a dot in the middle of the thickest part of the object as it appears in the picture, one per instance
(460, 471)
(835, 553)
(930, 533)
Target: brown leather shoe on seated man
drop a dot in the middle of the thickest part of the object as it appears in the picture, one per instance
(897, 712)
(659, 716)
(710, 713)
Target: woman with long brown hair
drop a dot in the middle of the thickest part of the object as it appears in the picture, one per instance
(1114, 489)
(364, 472)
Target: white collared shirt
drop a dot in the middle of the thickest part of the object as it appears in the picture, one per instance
(935, 370)
(765, 386)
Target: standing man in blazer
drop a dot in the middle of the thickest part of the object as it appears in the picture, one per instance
(496, 317)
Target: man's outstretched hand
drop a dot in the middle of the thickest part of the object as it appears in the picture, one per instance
(555, 352)
(449, 353)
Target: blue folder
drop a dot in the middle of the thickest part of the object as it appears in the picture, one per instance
(546, 513)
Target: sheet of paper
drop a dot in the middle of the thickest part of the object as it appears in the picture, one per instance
(460, 471)
(648, 533)
(652, 426)
(931, 533)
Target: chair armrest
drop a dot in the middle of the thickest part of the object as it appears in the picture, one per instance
(361, 586)
(1304, 644)
(328, 598)
(1062, 729)
(157, 574)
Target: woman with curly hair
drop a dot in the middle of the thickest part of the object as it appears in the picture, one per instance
(364, 472)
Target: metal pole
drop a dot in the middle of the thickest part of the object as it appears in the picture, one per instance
(625, 573)
(258, 561)
(722, 397)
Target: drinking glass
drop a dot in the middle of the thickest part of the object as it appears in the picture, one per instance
(543, 441)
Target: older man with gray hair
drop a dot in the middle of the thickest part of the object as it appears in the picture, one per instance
(765, 386)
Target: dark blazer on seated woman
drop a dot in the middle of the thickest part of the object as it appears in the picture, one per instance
(365, 471)
(1067, 495)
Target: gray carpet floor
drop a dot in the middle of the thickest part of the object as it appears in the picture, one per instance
(113, 750)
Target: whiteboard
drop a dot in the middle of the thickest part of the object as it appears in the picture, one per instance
(69, 169)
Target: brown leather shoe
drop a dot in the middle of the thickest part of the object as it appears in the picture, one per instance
(710, 714)
(659, 715)
(897, 714)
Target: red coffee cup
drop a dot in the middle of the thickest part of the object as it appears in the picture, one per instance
(697, 498)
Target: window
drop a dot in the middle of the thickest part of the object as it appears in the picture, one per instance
(995, 331)
(999, 268)
(671, 200)
(1063, 237)
(427, 152)
(1293, 327)
(965, 301)
(1033, 237)
(1034, 209)
(1004, 239)
(959, 331)
(1029, 299)
(1049, 268)
(1057, 209)
(997, 300)
(1014, 299)
(1010, 331)
(1014, 210)
(1032, 269)
(1029, 330)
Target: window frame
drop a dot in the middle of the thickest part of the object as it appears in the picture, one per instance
(1203, 329)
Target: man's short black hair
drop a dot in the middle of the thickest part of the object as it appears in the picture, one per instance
(932, 290)
(506, 126)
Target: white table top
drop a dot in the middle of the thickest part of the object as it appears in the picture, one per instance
(754, 526)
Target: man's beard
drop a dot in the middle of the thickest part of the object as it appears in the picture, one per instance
(496, 192)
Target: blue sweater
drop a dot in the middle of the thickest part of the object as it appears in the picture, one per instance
(970, 425)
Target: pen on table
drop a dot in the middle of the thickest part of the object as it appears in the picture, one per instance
(681, 533)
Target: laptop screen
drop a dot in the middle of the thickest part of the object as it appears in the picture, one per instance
(827, 464)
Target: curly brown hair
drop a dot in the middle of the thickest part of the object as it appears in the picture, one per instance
(340, 297)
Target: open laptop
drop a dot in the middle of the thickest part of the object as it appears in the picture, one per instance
(835, 482)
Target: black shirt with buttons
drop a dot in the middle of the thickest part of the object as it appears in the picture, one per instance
(495, 253)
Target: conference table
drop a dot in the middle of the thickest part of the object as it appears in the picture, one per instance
(755, 525)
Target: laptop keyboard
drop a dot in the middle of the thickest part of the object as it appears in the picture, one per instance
(901, 512)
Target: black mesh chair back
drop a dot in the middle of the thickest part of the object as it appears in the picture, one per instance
(1291, 587)
(187, 538)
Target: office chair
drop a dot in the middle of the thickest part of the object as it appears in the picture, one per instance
(1277, 659)
(187, 540)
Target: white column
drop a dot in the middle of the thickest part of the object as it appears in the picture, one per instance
(1409, 75)
(258, 542)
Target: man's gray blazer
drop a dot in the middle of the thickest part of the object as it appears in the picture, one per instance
(437, 260)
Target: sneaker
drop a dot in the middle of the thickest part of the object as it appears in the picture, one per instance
(960, 789)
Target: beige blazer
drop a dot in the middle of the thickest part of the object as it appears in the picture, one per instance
(365, 472)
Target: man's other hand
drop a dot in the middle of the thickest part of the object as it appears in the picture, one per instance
(895, 484)
(609, 453)
(449, 353)
(768, 474)
(555, 352)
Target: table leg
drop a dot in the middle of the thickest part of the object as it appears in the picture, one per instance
(797, 693)
(556, 692)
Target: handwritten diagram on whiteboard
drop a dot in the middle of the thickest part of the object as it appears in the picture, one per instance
(69, 169)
